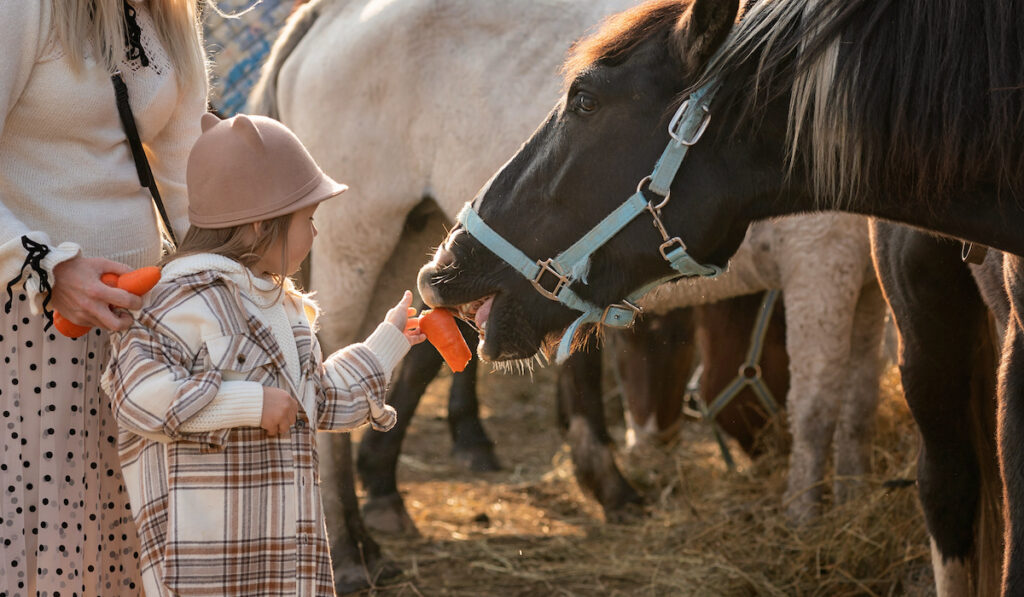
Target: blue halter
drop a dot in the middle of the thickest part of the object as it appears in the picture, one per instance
(686, 127)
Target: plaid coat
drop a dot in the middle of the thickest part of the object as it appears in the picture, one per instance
(228, 511)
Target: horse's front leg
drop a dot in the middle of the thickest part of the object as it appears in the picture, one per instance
(819, 319)
(581, 413)
(854, 430)
(471, 446)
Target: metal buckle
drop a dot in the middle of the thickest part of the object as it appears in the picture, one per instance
(646, 180)
(546, 266)
(673, 125)
(663, 247)
(637, 310)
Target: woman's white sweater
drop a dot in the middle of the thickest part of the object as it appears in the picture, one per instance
(67, 177)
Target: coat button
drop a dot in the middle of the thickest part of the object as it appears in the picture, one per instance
(300, 423)
(241, 358)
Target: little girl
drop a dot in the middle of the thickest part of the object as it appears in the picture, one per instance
(219, 386)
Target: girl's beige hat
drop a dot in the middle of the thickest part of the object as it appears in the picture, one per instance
(248, 169)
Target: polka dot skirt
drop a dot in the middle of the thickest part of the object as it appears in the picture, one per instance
(65, 524)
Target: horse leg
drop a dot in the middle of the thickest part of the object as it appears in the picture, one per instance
(356, 556)
(1011, 428)
(581, 412)
(819, 319)
(855, 428)
(377, 459)
(938, 314)
(471, 446)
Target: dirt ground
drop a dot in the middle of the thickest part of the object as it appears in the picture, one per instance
(530, 530)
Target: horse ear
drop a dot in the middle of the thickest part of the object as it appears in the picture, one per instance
(701, 29)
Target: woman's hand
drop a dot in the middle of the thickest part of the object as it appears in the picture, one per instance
(399, 316)
(83, 299)
(279, 411)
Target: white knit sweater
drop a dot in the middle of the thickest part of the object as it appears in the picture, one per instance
(67, 177)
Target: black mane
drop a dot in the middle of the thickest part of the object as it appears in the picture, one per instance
(925, 97)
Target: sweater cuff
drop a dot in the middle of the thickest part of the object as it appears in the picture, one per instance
(53, 258)
(389, 344)
(237, 404)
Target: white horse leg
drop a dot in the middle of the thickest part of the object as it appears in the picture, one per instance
(852, 449)
(952, 577)
(818, 324)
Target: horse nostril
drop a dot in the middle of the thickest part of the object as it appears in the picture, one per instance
(443, 258)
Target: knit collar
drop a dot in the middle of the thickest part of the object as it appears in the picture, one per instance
(243, 277)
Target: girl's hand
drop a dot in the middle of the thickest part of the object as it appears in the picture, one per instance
(83, 299)
(400, 316)
(279, 411)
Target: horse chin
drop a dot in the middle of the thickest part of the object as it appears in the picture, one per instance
(507, 335)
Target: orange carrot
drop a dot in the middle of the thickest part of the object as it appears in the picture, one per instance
(66, 328)
(444, 334)
(137, 282)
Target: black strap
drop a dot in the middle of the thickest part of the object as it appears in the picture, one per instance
(146, 177)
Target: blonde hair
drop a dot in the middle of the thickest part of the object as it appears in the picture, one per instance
(238, 243)
(100, 24)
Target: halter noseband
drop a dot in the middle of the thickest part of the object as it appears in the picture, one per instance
(685, 129)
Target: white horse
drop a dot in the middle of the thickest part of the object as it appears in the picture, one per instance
(411, 99)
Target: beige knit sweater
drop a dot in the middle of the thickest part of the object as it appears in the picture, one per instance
(67, 178)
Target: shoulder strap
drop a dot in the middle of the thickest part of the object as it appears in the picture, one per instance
(146, 178)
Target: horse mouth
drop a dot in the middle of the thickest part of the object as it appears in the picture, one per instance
(477, 312)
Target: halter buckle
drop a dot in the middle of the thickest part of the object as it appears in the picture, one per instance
(625, 305)
(673, 125)
(548, 266)
(664, 247)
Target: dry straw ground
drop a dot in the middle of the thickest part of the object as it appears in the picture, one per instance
(529, 530)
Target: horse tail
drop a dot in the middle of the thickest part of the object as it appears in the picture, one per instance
(985, 565)
(263, 97)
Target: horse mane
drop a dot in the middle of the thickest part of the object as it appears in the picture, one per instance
(920, 97)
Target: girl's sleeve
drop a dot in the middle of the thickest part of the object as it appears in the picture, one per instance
(168, 155)
(355, 382)
(27, 257)
(154, 393)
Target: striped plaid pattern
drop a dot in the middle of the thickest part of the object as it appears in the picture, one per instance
(229, 511)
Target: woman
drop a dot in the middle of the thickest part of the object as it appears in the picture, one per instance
(71, 208)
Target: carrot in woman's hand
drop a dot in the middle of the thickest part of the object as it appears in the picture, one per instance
(137, 282)
(444, 334)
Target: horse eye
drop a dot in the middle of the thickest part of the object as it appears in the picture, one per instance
(583, 103)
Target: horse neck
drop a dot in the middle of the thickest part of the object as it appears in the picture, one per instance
(984, 214)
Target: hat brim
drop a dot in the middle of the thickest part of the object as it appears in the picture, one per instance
(325, 188)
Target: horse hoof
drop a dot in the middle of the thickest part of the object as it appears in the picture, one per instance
(388, 515)
(478, 459)
(354, 578)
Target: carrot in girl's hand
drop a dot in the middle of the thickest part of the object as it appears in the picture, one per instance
(444, 334)
(137, 282)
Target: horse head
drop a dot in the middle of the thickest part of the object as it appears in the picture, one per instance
(600, 140)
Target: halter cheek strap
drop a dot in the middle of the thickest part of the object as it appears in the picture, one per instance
(553, 278)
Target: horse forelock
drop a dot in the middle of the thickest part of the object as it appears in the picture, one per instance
(920, 97)
(618, 34)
